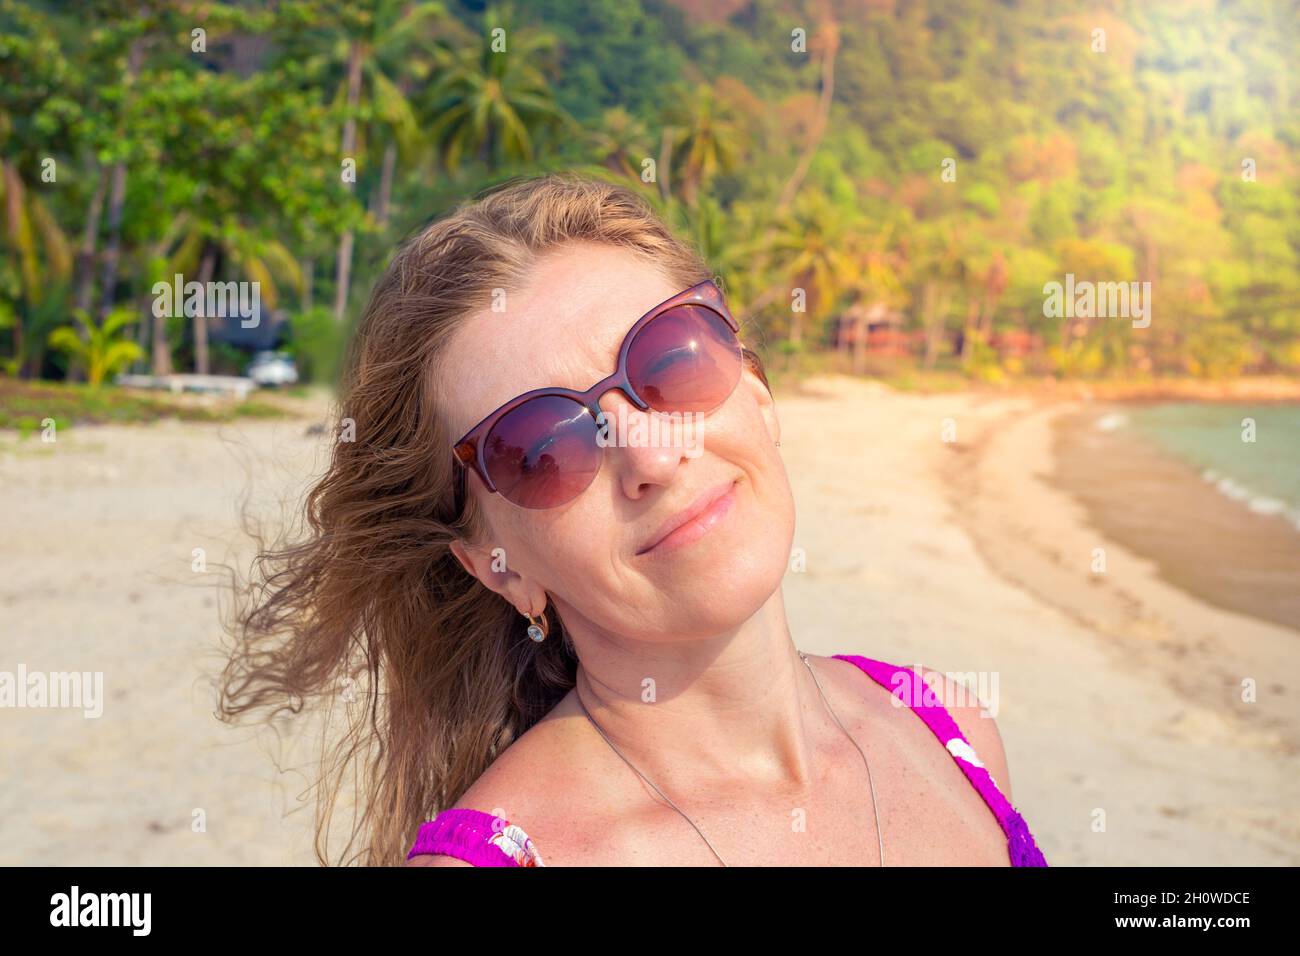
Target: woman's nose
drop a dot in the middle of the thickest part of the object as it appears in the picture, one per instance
(643, 448)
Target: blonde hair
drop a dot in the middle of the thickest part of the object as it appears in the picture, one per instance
(371, 596)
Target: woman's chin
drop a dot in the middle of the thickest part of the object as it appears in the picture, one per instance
(740, 575)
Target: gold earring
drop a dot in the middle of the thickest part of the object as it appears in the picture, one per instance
(539, 628)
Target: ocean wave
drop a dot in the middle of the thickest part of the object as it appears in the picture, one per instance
(1108, 423)
(1258, 503)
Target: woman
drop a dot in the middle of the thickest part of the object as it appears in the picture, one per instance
(567, 640)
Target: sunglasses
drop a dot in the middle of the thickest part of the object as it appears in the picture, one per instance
(542, 449)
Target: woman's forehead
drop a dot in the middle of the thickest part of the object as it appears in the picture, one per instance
(563, 328)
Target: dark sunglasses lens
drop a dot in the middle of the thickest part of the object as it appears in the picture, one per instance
(685, 360)
(543, 452)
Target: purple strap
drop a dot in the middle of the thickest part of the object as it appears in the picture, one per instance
(475, 837)
(902, 682)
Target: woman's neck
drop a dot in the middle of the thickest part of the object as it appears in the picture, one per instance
(733, 710)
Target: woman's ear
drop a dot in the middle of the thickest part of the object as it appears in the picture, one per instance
(766, 403)
(483, 563)
(773, 423)
(458, 549)
(488, 565)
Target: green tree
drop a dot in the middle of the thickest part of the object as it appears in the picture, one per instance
(101, 350)
(490, 101)
(709, 139)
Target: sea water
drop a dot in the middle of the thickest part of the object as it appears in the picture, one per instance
(1249, 452)
(1208, 491)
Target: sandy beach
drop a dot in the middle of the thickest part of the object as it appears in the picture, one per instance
(1119, 696)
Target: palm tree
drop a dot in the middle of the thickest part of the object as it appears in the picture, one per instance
(938, 263)
(384, 53)
(117, 197)
(620, 142)
(878, 286)
(100, 348)
(826, 44)
(33, 238)
(250, 253)
(817, 248)
(380, 50)
(491, 103)
(724, 237)
(995, 280)
(709, 140)
(400, 57)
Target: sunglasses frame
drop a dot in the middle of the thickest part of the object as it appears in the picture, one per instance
(468, 451)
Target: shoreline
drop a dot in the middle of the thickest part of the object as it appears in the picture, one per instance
(1257, 389)
(1212, 547)
(1132, 604)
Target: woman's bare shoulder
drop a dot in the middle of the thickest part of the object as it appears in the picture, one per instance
(552, 783)
(975, 722)
(517, 787)
(965, 708)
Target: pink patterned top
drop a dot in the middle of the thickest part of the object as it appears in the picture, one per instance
(484, 840)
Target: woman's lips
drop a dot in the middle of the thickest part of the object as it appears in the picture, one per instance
(696, 521)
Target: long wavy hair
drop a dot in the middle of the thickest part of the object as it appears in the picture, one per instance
(366, 612)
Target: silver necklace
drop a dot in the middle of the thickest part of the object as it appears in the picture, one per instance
(804, 657)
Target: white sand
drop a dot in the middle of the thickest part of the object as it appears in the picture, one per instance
(100, 529)
(917, 550)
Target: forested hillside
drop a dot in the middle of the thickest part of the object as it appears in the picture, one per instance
(925, 167)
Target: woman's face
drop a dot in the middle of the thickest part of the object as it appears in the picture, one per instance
(590, 555)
